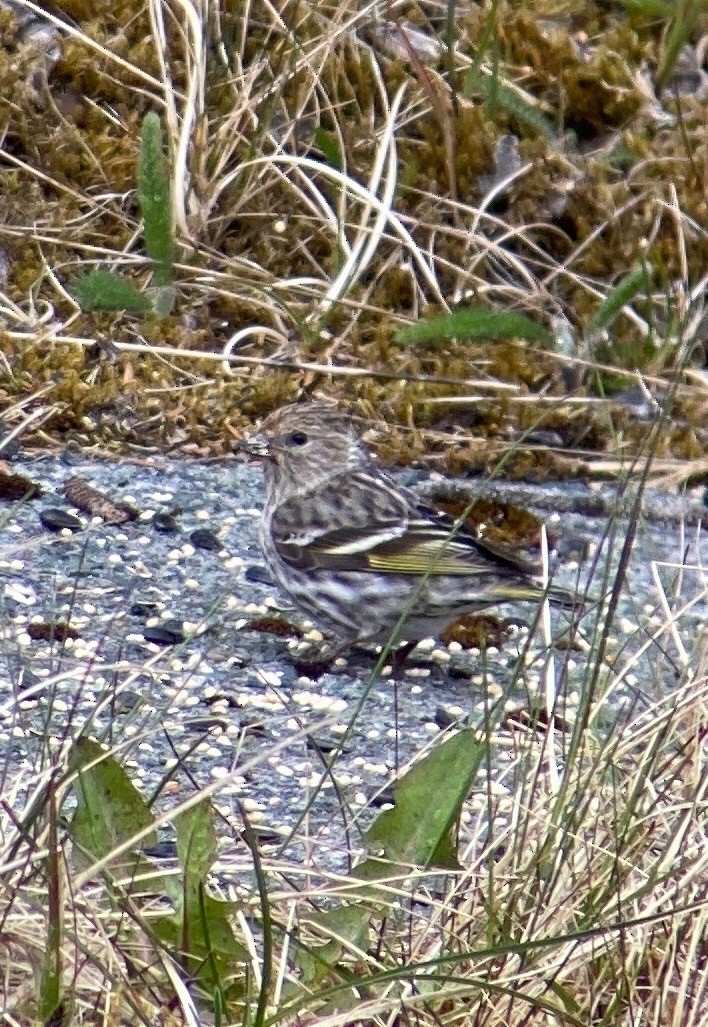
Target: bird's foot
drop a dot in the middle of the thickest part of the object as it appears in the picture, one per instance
(315, 660)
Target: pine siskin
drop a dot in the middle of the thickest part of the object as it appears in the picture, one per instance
(355, 551)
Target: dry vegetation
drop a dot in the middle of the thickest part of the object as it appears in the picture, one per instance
(338, 172)
(580, 895)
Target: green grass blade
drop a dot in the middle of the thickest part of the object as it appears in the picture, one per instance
(50, 1004)
(329, 145)
(638, 280)
(681, 26)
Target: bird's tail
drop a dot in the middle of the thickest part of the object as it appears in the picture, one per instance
(535, 593)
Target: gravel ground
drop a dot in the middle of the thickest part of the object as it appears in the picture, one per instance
(226, 705)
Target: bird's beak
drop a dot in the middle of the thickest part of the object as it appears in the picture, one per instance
(256, 445)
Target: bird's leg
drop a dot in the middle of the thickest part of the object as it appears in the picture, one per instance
(315, 661)
(399, 657)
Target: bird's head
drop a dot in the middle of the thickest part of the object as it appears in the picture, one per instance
(303, 446)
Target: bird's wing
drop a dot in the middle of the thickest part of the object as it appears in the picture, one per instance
(417, 540)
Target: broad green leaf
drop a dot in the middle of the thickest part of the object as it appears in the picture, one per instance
(109, 809)
(419, 830)
(345, 922)
(201, 936)
(196, 840)
(199, 930)
(100, 289)
(207, 929)
(341, 925)
(154, 199)
(475, 323)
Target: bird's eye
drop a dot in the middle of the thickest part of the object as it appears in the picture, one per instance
(297, 438)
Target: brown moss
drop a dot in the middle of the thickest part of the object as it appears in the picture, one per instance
(476, 631)
(78, 123)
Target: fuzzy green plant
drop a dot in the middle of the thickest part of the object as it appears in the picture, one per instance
(474, 322)
(104, 289)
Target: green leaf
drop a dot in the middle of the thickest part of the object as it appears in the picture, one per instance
(52, 1005)
(638, 280)
(685, 16)
(154, 199)
(495, 93)
(418, 831)
(650, 8)
(196, 840)
(205, 943)
(329, 145)
(100, 289)
(199, 931)
(207, 930)
(475, 323)
(345, 927)
(109, 809)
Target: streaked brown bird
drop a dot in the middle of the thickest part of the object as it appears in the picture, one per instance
(361, 555)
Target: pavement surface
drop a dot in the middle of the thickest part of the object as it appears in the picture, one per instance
(164, 662)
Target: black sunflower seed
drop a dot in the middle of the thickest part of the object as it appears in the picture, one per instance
(169, 633)
(257, 572)
(203, 538)
(166, 523)
(142, 608)
(55, 519)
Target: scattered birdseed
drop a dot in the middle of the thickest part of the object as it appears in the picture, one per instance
(440, 656)
(313, 635)
(190, 586)
(252, 805)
